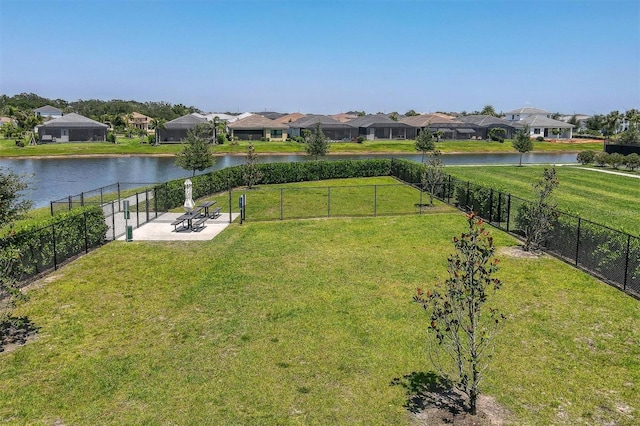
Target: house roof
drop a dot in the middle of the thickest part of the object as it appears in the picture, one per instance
(188, 121)
(73, 120)
(308, 121)
(221, 116)
(47, 109)
(343, 117)
(544, 122)
(424, 120)
(289, 118)
(254, 122)
(376, 121)
(528, 110)
(488, 120)
(240, 117)
(138, 115)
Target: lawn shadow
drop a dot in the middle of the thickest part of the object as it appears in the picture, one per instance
(430, 390)
(15, 331)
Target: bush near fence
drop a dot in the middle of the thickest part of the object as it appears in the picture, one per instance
(47, 245)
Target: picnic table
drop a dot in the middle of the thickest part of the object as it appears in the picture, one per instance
(193, 220)
(206, 206)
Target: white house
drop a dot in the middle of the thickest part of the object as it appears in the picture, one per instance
(48, 111)
(540, 123)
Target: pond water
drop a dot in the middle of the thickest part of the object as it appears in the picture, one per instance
(55, 178)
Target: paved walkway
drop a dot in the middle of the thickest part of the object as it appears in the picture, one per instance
(160, 229)
(611, 172)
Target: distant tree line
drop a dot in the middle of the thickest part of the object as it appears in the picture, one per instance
(95, 108)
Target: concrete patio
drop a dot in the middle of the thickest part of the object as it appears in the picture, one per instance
(160, 229)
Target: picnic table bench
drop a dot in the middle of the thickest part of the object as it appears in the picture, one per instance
(215, 213)
(188, 218)
(206, 206)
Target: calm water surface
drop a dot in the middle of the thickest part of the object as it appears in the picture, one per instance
(55, 178)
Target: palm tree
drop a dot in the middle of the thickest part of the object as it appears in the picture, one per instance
(157, 124)
(612, 121)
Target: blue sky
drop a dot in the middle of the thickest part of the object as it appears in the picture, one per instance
(327, 56)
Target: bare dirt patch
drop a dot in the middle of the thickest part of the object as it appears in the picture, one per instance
(15, 332)
(519, 252)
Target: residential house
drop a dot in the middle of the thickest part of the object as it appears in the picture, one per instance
(257, 127)
(540, 123)
(48, 111)
(343, 117)
(487, 122)
(446, 126)
(72, 128)
(333, 129)
(580, 118)
(5, 120)
(175, 131)
(380, 127)
(140, 121)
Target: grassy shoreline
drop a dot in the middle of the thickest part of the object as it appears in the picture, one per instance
(133, 147)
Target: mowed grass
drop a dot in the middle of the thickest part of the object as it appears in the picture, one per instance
(373, 196)
(134, 146)
(307, 322)
(608, 199)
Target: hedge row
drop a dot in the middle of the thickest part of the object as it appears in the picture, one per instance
(44, 246)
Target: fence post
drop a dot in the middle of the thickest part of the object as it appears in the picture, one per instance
(230, 204)
(626, 262)
(375, 200)
(70, 203)
(466, 202)
(82, 199)
(499, 209)
(490, 205)
(420, 199)
(51, 203)
(578, 239)
(113, 219)
(101, 200)
(281, 203)
(449, 191)
(55, 254)
(166, 197)
(508, 210)
(328, 201)
(119, 203)
(137, 210)
(86, 233)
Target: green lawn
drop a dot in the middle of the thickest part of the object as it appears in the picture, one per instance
(127, 146)
(604, 198)
(306, 322)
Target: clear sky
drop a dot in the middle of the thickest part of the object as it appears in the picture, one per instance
(327, 56)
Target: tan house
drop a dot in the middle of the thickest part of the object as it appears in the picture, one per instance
(140, 121)
(289, 118)
(256, 127)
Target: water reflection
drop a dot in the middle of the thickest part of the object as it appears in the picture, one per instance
(55, 178)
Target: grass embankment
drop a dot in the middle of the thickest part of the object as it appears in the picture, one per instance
(133, 146)
(608, 199)
(306, 322)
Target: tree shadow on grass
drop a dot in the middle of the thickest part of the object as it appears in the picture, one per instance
(430, 390)
(15, 331)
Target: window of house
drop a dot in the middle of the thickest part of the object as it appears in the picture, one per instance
(276, 133)
(536, 131)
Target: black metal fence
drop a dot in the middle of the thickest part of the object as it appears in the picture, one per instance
(99, 196)
(609, 254)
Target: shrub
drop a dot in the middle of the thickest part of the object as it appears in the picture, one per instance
(220, 138)
(616, 160)
(111, 137)
(586, 157)
(632, 161)
(629, 137)
(497, 134)
(601, 158)
(360, 139)
(540, 138)
(151, 139)
(263, 139)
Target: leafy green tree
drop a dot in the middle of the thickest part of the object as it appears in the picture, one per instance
(574, 120)
(631, 136)
(556, 132)
(632, 161)
(317, 142)
(394, 116)
(433, 176)
(596, 123)
(196, 154)
(425, 142)
(522, 142)
(9, 130)
(12, 208)
(489, 110)
(612, 123)
(601, 158)
(157, 124)
(497, 134)
(615, 160)
(411, 113)
(536, 218)
(461, 330)
(586, 157)
(251, 173)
